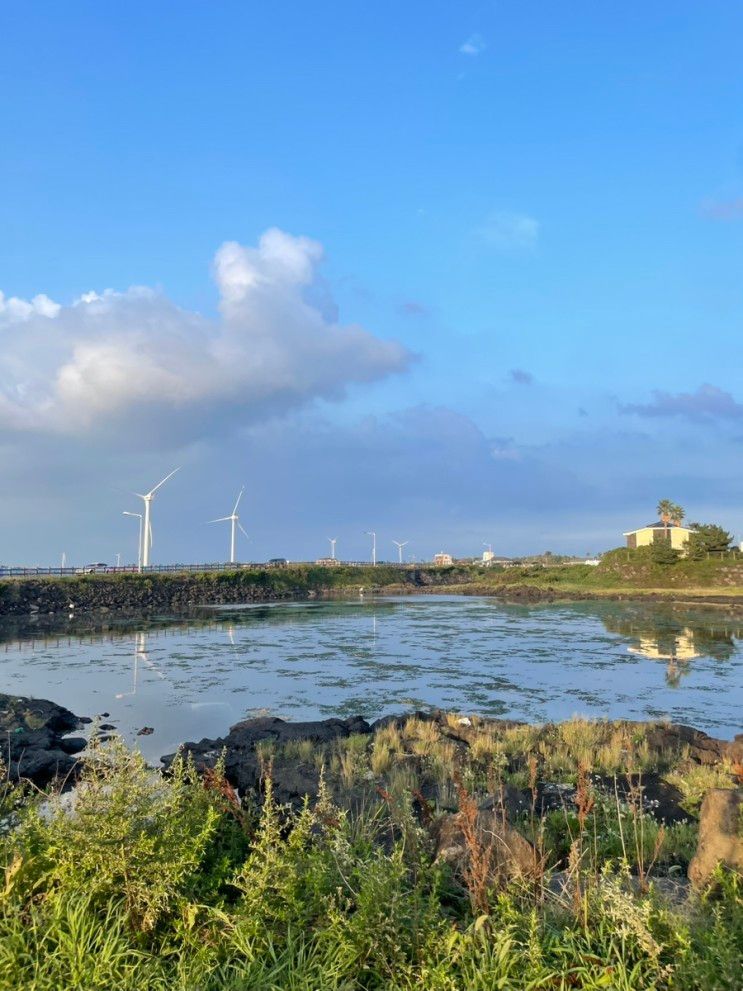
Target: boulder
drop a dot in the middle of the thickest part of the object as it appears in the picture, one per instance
(674, 737)
(32, 740)
(720, 835)
(291, 779)
(507, 853)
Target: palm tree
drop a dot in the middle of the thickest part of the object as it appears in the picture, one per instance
(677, 514)
(665, 510)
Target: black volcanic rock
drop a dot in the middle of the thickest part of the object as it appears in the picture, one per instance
(32, 743)
(292, 779)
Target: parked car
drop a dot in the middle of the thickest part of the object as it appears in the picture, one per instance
(99, 568)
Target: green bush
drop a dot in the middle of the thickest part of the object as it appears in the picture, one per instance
(170, 884)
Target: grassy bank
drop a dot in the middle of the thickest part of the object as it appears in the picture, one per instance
(620, 574)
(150, 883)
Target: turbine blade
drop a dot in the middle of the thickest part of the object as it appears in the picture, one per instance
(238, 500)
(153, 491)
(243, 531)
(221, 519)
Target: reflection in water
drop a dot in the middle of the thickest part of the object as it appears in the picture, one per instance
(194, 676)
(140, 657)
(676, 634)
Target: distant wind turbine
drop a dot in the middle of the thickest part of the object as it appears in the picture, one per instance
(235, 523)
(333, 542)
(399, 544)
(147, 523)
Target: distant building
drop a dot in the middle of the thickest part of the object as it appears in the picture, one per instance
(488, 557)
(656, 532)
(328, 562)
(442, 560)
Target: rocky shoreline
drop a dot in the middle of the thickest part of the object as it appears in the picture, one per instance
(440, 764)
(36, 745)
(244, 765)
(131, 594)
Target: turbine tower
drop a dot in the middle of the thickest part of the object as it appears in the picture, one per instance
(333, 541)
(147, 523)
(399, 544)
(373, 535)
(234, 520)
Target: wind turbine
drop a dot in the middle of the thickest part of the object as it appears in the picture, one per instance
(333, 541)
(399, 544)
(139, 542)
(234, 520)
(147, 524)
(373, 535)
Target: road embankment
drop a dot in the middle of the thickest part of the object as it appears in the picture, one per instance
(180, 592)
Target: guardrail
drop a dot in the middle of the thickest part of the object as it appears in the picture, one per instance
(128, 569)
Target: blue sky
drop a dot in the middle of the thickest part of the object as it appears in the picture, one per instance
(500, 297)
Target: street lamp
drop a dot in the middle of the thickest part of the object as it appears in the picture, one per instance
(139, 545)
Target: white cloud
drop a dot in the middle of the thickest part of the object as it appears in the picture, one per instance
(117, 357)
(15, 310)
(511, 231)
(473, 46)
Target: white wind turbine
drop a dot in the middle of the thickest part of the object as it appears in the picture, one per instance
(234, 520)
(333, 542)
(147, 521)
(399, 544)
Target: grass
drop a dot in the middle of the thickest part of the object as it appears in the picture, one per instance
(694, 780)
(151, 883)
(620, 573)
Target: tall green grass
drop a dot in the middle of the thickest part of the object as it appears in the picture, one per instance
(142, 882)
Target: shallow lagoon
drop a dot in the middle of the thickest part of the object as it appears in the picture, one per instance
(193, 677)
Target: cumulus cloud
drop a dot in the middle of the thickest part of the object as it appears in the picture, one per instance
(521, 377)
(114, 357)
(510, 231)
(15, 310)
(708, 403)
(473, 46)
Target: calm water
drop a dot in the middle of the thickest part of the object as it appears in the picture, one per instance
(195, 677)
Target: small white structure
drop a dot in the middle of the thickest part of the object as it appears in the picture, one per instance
(488, 557)
(442, 560)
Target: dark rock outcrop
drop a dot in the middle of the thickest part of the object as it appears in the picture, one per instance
(32, 739)
(292, 778)
(703, 749)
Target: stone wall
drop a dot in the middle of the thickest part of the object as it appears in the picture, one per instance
(181, 591)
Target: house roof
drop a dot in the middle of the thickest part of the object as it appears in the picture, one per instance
(660, 526)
